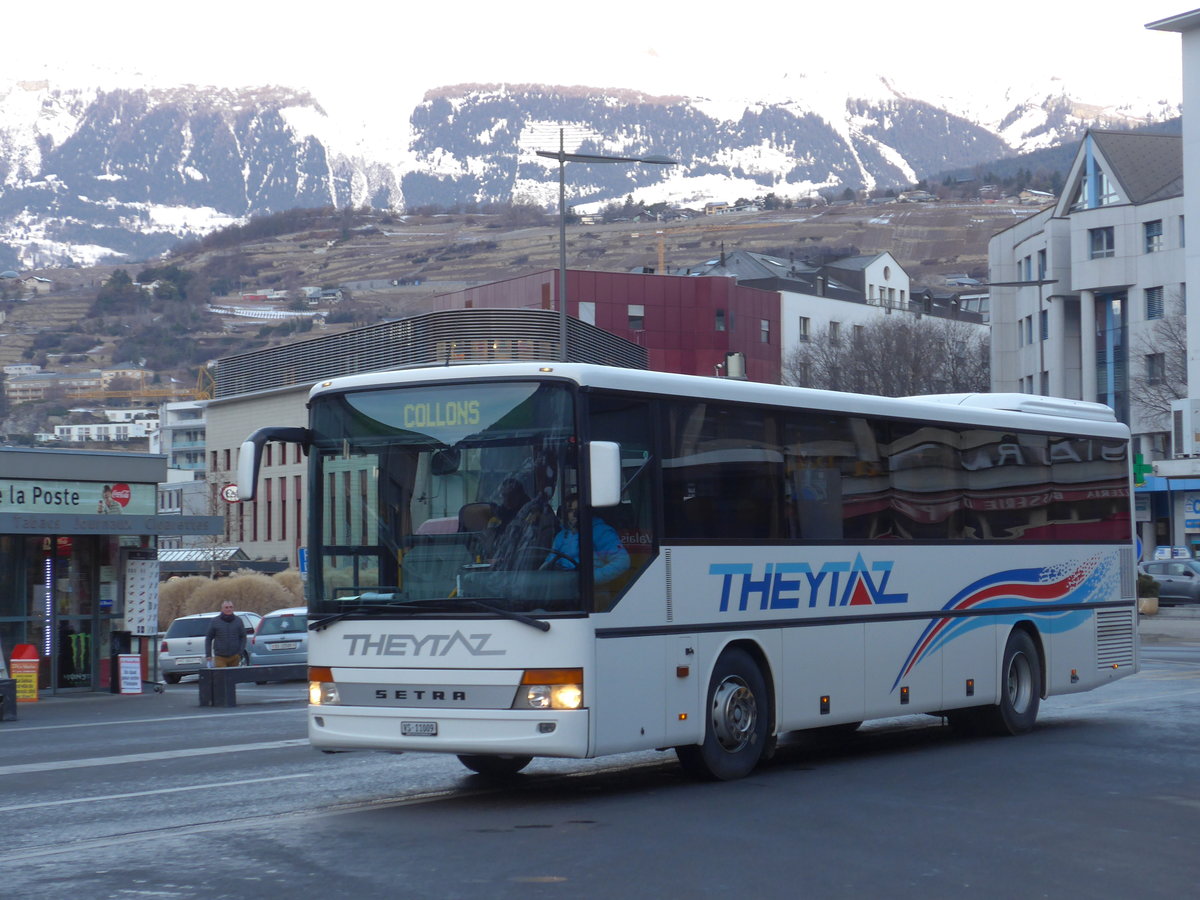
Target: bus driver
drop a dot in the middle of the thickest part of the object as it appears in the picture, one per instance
(611, 557)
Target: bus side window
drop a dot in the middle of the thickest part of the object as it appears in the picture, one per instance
(627, 421)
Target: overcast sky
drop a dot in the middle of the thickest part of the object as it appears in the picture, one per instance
(380, 53)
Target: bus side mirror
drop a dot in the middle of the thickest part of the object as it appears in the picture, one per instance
(250, 454)
(605, 466)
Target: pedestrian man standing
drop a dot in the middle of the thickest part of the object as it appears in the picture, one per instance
(226, 638)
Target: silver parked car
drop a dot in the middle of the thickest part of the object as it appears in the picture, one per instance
(182, 649)
(281, 637)
(1178, 580)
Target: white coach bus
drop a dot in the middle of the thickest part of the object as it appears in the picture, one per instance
(758, 559)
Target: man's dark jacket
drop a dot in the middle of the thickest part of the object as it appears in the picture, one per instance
(225, 637)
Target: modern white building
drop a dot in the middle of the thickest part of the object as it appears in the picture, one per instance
(117, 429)
(182, 435)
(1084, 292)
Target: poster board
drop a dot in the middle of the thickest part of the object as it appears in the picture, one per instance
(130, 671)
(141, 592)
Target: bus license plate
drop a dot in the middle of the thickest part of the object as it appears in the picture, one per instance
(418, 729)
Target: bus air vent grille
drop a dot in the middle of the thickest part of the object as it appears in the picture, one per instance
(1128, 573)
(1114, 638)
(670, 601)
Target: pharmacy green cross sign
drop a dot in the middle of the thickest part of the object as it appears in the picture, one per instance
(1141, 469)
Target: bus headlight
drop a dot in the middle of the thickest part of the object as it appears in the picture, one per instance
(322, 691)
(550, 689)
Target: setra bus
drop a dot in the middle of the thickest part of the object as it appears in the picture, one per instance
(756, 559)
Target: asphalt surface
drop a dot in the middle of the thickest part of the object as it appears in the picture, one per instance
(1171, 625)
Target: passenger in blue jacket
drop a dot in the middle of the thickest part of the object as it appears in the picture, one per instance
(610, 556)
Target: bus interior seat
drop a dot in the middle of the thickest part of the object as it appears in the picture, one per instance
(475, 516)
(442, 525)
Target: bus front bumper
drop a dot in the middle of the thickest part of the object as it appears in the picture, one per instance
(477, 731)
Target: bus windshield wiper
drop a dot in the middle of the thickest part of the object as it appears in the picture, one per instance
(325, 621)
(539, 624)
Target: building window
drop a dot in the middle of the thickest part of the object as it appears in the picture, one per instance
(835, 333)
(1041, 265)
(805, 328)
(1027, 269)
(1156, 368)
(226, 454)
(1044, 323)
(1154, 302)
(637, 317)
(719, 320)
(1045, 384)
(1029, 333)
(1154, 236)
(1182, 233)
(1101, 242)
(804, 374)
(764, 331)
(1095, 190)
(860, 335)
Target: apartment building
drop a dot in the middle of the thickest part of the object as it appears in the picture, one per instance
(1087, 294)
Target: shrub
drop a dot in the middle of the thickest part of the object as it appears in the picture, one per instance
(249, 591)
(1146, 586)
(173, 597)
(290, 580)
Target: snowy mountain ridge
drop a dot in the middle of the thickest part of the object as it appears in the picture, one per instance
(97, 172)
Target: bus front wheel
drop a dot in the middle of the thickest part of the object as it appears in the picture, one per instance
(737, 721)
(495, 766)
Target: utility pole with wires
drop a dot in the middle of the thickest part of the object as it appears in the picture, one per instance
(563, 158)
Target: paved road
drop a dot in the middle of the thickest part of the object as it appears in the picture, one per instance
(109, 796)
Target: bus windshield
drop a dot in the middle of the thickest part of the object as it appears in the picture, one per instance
(445, 497)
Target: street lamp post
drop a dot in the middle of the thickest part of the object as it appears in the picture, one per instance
(563, 158)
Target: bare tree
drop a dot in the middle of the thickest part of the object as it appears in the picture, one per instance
(1158, 367)
(896, 356)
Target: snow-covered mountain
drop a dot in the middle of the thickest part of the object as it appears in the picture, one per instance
(90, 173)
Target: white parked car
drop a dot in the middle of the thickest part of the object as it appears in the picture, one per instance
(182, 649)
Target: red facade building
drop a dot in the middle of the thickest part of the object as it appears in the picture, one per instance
(686, 324)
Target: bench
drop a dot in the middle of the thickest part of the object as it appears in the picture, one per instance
(218, 687)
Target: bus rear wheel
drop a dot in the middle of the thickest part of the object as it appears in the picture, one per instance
(735, 731)
(495, 766)
(1020, 693)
